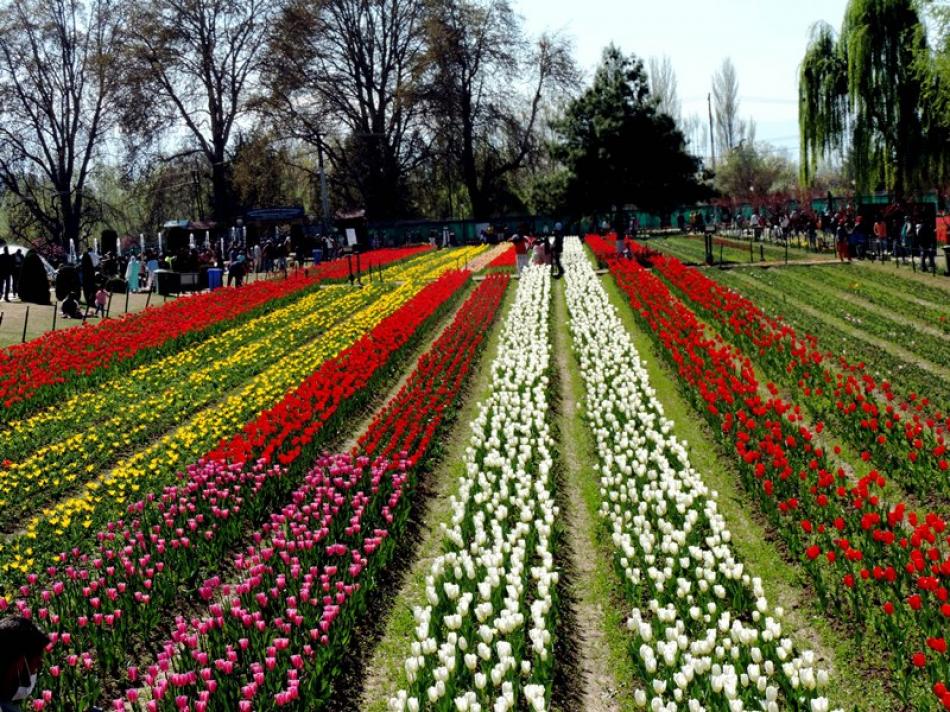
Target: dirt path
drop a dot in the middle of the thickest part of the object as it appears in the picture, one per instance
(590, 682)
(840, 324)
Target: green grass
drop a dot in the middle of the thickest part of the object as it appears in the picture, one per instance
(853, 684)
(690, 248)
(842, 337)
(902, 298)
(878, 318)
(386, 667)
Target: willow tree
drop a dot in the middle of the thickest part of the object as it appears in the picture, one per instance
(860, 94)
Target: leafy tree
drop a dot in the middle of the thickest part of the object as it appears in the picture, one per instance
(618, 149)
(860, 93)
(196, 62)
(751, 171)
(58, 76)
(487, 88)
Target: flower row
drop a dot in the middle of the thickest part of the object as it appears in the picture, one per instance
(123, 592)
(910, 445)
(704, 634)
(875, 565)
(34, 374)
(505, 259)
(303, 584)
(66, 523)
(484, 640)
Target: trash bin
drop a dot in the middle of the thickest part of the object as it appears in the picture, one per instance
(946, 257)
(168, 282)
(317, 256)
(214, 278)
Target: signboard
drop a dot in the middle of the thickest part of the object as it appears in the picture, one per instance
(351, 237)
(275, 214)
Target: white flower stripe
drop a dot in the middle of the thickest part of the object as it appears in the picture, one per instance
(705, 635)
(484, 640)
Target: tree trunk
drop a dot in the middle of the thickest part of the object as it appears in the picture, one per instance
(223, 207)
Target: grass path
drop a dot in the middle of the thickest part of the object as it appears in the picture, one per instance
(815, 281)
(857, 677)
(383, 671)
(602, 674)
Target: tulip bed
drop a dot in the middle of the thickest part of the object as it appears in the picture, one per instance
(887, 429)
(877, 361)
(96, 604)
(276, 635)
(883, 290)
(89, 432)
(487, 259)
(705, 636)
(484, 641)
(505, 260)
(928, 346)
(874, 564)
(39, 372)
(67, 523)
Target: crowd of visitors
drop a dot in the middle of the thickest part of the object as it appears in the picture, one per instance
(887, 234)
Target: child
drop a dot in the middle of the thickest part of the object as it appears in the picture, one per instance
(102, 298)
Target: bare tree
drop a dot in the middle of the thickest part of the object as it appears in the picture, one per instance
(663, 87)
(57, 79)
(729, 127)
(346, 72)
(195, 63)
(487, 88)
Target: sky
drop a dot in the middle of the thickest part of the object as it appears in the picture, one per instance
(766, 40)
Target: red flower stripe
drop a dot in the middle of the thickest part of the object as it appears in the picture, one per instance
(881, 566)
(407, 423)
(289, 426)
(899, 437)
(505, 259)
(62, 357)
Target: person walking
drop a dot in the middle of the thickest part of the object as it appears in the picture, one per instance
(880, 237)
(521, 251)
(102, 298)
(132, 271)
(841, 241)
(927, 239)
(6, 273)
(906, 238)
(557, 249)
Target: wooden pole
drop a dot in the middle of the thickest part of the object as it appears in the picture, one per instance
(54, 317)
(26, 320)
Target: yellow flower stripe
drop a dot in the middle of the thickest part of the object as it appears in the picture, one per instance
(66, 524)
(95, 403)
(57, 467)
